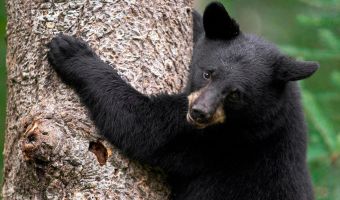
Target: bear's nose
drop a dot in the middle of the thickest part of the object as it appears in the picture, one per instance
(199, 114)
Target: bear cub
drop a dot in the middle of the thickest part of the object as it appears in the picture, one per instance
(236, 133)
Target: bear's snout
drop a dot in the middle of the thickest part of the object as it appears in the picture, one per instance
(204, 109)
(200, 113)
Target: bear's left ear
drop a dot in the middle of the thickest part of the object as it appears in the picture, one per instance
(218, 24)
(289, 69)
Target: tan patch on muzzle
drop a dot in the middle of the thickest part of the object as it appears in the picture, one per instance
(218, 117)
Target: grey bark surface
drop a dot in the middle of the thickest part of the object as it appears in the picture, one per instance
(52, 150)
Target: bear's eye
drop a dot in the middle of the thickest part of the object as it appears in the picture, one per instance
(234, 96)
(207, 75)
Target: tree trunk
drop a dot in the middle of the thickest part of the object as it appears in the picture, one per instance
(52, 150)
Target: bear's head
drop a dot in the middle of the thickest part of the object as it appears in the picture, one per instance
(234, 74)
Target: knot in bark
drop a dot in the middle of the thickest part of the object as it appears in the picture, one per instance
(41, 140)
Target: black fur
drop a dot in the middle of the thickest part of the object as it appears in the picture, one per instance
(259, 152)
(218, 24)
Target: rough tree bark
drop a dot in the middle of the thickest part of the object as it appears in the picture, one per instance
(52, 150)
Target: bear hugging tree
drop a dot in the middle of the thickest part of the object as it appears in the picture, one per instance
(236, 133)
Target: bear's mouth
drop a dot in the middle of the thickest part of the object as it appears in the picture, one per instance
(195, 123)
(218, 118)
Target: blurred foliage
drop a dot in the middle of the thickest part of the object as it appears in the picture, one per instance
(2, 80)
(322, 102)
(306, 29)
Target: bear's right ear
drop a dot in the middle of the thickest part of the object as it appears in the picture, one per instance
(218, 24)
(289, 69)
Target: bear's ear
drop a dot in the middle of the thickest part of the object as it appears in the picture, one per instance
(289, 69)
(198, 29)
(218, 24)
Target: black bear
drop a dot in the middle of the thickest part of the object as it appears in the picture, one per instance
(236, 133)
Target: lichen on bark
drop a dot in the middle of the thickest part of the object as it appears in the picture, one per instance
(52, 150)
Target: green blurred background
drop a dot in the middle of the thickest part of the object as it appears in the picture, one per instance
(2, 79)
(306, 29)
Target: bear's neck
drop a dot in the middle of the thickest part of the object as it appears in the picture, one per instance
(284, 117)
